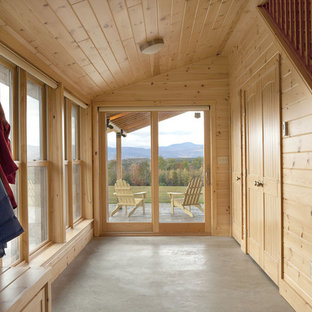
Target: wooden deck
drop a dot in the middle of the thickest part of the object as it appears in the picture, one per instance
(164, 215)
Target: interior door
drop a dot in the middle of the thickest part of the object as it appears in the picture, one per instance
(271, 170)
(254, 171)
(262, 104)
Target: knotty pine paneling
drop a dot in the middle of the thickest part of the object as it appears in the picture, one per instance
(96, 44)
(249, 48)
(195, 84)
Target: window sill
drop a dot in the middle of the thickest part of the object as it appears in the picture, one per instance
(51, 253)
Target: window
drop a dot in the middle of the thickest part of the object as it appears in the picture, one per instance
(6, 99)
(6, 92)
(65, 157)
(76, 169)
(37, 165)
(12, 252)
(72, 164)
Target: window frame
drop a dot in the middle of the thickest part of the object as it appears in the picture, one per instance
(69, 162)
(43, 162)
(14, 139)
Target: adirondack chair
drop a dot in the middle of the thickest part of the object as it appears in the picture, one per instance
(191, 197)
(126, 198)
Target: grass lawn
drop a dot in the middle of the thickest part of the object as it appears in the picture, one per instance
(163, 196)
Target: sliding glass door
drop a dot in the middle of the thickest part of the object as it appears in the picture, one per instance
(156, 167)
(129, 167)
(181, 167)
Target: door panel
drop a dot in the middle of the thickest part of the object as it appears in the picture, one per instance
(254, 172)
(262, 103)
(271, 170)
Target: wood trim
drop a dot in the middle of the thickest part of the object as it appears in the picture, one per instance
(125, 227)
(287, 48)
(293, 298)
(155, 171)
(69, 164)
(185, 228)
(86, 162)
(103, 194)
(208, 170)
(145, 234)
(76, 100)
(39, 163)
(19, 61)
(213, 159)
(55, 156)
(96, 169)
(143, 108)
(244, 176)
(23, 183)
(97, 119)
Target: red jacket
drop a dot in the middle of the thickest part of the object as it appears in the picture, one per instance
(8, 167)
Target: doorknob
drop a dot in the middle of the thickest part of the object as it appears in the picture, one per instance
(238, 178)
(256, 183)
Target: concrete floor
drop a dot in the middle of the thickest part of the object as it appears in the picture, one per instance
(164, 274)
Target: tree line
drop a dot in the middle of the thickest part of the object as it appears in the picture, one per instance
(172, 171)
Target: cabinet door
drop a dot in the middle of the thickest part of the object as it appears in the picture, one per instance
(37, 304)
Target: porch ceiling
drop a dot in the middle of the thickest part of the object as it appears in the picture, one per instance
(132, 121)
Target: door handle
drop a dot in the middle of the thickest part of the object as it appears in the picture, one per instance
(208, 176)
(260, 184)
(238, 178)
(256, 183)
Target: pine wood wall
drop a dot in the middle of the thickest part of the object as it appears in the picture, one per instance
(250, 47)
(201, 83)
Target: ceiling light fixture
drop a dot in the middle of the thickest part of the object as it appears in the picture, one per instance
(152, 47)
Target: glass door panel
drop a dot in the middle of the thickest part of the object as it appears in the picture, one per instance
(181, 167)
(129, 167)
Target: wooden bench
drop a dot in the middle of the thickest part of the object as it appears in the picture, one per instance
(25, 289)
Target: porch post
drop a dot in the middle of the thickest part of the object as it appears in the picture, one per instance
(118, 156)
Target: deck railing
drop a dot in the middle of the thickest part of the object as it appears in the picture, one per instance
(291, 23)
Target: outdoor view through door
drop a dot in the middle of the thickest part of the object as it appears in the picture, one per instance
(129, 167)
(181, 163)
(180, 167)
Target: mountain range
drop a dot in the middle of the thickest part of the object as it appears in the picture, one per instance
(182, 150)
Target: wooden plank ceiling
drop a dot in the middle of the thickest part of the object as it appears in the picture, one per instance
(95, 43)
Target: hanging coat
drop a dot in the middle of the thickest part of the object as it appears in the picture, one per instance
(9, 225)
(8, 167)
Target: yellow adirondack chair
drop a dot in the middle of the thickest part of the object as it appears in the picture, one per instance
(191, 197)
(126, 198)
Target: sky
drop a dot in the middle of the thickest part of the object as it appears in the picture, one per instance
(179, 129)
